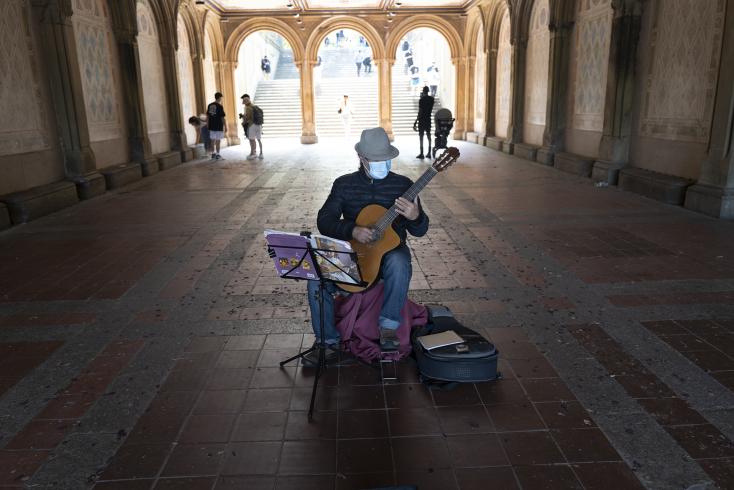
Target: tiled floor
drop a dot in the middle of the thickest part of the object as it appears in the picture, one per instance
(141, 334)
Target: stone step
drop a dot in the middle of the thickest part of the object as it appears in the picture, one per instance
(661, 187)
(120, 175)
(5, 222)
(39, 201)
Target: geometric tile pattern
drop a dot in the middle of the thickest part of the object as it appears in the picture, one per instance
(536, 67)
(680, 85)
(593, 32)
(151, 63)
(97, 53)
(504, 54)
(186, 80)
(19, 88)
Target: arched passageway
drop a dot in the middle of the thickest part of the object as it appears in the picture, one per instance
(267, 72)
(423, 58)
(346, 84)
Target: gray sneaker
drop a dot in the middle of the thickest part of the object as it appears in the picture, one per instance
(331, 355)
(389, 339)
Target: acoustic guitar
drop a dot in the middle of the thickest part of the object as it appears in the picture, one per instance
(369, 255)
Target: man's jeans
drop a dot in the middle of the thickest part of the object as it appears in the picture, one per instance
(396, 273)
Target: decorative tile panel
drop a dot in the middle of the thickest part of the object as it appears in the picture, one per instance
(21, 99)
(502, 110)
(680, 84)
(536, 65)
(186, 80)
(593, 34)
(151, 69)
(98, 62)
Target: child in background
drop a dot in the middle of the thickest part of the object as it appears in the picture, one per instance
(202, 131)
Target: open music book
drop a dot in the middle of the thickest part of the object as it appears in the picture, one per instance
(335, 259)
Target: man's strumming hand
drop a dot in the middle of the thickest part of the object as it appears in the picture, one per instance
(363, 235)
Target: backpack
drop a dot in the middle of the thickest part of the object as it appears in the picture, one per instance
(257, 116)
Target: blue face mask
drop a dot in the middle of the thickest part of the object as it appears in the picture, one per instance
(379, 170)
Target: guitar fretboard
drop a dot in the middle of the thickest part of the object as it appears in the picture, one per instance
(410, 194)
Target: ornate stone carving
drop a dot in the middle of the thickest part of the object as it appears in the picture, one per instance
(98, 63)
(151, 69)
(684, 56)
(502, 96)
(21, 98)
(593, 33)
(536, 66)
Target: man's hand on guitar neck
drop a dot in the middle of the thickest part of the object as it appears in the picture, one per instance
(406, 208)
(364, 235)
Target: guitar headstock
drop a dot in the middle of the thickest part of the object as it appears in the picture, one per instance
(446, 159)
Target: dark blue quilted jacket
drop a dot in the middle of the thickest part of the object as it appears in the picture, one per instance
(352, 192)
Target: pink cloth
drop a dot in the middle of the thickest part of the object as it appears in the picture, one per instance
(356, 320)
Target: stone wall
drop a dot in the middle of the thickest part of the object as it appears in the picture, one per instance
(536, 74)
(679, 55)
(502, 96)
(29, 153)
(480, 84)
(154, 88)
(210, 78)
(186, 81)
(589, 60)
(99, 69)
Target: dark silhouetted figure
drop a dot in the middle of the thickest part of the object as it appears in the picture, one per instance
(422, 123)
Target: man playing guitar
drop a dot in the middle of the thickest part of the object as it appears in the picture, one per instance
(373, 183)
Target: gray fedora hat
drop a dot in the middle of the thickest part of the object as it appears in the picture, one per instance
(375, 146)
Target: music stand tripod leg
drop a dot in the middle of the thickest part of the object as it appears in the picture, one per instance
(321, 347)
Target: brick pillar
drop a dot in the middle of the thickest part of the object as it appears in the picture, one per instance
(713, 194)
(558, 80)
(308, 110)
(60, 56)
(125, 26)
(384, 71)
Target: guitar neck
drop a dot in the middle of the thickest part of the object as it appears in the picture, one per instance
(410, 195)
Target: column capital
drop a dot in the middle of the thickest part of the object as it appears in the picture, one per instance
(55, 11)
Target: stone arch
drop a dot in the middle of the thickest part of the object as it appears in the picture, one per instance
(251, 26)
(474, 27)
(211, 27)
(344, 22)
(431, 21)
(165, 26)
(196, 39)
(187, 85)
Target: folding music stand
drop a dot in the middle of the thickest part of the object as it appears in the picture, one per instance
(315, 254)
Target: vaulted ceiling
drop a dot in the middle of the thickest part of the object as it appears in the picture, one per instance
(315, 5)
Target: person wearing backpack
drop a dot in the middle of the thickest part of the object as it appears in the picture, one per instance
(253, 121)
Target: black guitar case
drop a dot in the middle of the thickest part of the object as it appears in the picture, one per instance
(474, 360)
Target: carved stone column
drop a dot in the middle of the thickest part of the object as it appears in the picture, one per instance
(126, 31)
(615, 141)
(231, 100)
(67, 92)
(713, 194)
(199, 89)
(460, 90)
(558, 79)
(518, 55)
(471, 64)
(491, 95)
(308, 110)
(173, 96)
(384, 72)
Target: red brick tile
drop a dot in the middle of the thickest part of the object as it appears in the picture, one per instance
(584, 445)
(420, 453)
(476, 450)
(702, 441)
(68, 406)
(607, 476)
(476, 478)
(530, 448)
(721, 471)
(547, 477)
(125, 485)
(413, 421)
(46, 319)
(407, 396)
(533, 368)
(17, 466)
(185, 483)
(323, 426)
(364, 480)
(464, 394)
(308, 457)
(136, 461)
(564, 415)
(259, 426)
(201, 429)
(41, 434)
(220, 402)
(514, 416)
(464, 420)
(547, 390)
(252, 458)
(245, 482)
(433, 479)
(362, 424)
(273, 377)
(364, 456)
(194, 460)
(671, 411)
(306, 482)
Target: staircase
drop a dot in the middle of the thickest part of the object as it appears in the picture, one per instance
(280, 98)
